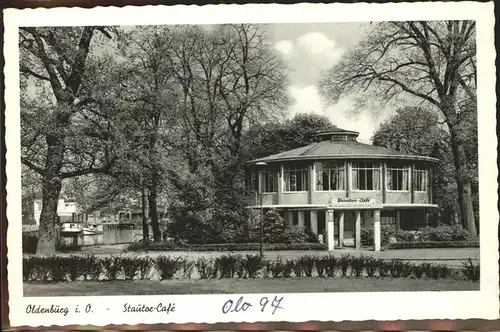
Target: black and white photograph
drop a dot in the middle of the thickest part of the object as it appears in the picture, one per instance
(339, 157)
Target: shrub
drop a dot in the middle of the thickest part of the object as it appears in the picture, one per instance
(471, 270)
(187, 268)
(30, 243)
(42, 270)
(443, 271)
(138, 245)
(405, 236)
(144, 266)
(75, 266)
(277, 267)
(406, 269)
(253, 263)
(130, 267)
(307, 264)
(171, 246)
(367, 235)
(332, 265)
(383, 268)
(274, 228)
(321, 266)
(112, 267)
(277, 230)
(268, 266)
(396, 268)
(206, 268)
(293, 234)
(227, 265)
(58, 268)
(428, 269)
(91, 267)
(434, 244)
(418, 271)
(344, 263)
(297, 268)
(30, 268)
(371, 266)
(357, 266)
(240, 268)
(63, 246)
(444, 233)
(168, 266)
(310, 236)
(288, 268)
(435, 271)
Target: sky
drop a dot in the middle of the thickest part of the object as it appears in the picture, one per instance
(309, 50)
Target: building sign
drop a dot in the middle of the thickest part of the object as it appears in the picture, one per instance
(353, 202)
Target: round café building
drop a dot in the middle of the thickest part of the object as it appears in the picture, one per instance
(339, 185)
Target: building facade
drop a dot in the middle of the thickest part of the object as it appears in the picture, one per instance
(339, 185)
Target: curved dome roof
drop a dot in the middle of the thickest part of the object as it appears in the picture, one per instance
(341, 149)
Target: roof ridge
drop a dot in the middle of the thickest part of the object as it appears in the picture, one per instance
(311, 146)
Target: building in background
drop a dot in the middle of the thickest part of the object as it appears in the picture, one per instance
(67, 210)
(338, 185)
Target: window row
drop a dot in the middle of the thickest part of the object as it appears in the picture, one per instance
(330, 176)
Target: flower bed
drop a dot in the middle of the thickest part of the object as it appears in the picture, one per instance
(75, 267)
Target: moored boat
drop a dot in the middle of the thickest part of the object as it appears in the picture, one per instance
(92, 229)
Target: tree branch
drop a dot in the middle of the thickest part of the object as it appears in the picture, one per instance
(34, 167)
(26, 70)
(411, 91)
(99, 170)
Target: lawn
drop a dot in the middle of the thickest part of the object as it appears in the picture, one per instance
(228, 286)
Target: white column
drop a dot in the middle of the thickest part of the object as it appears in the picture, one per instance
(341, 229)
(290, 217)
(314, 221)
(301, 219)
(358, 229)
(330, 229)
(376, 229)
(398, 220)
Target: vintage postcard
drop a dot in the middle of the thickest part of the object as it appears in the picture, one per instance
(256, 163)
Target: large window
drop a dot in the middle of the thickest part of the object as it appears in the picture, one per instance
(420, 179)
(366, 176)
(330, 176)
(397, 177)
(270, 181)
(296, 178)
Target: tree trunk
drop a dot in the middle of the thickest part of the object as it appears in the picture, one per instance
(145, 225)
(463, 182)
(51, 188)
(153, 213)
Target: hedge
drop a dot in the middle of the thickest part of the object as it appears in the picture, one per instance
(166, 246)
(433, 244)
(80, 267)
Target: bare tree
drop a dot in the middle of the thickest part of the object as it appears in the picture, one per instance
(431, 62)
(228, 79)
(253, 87)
